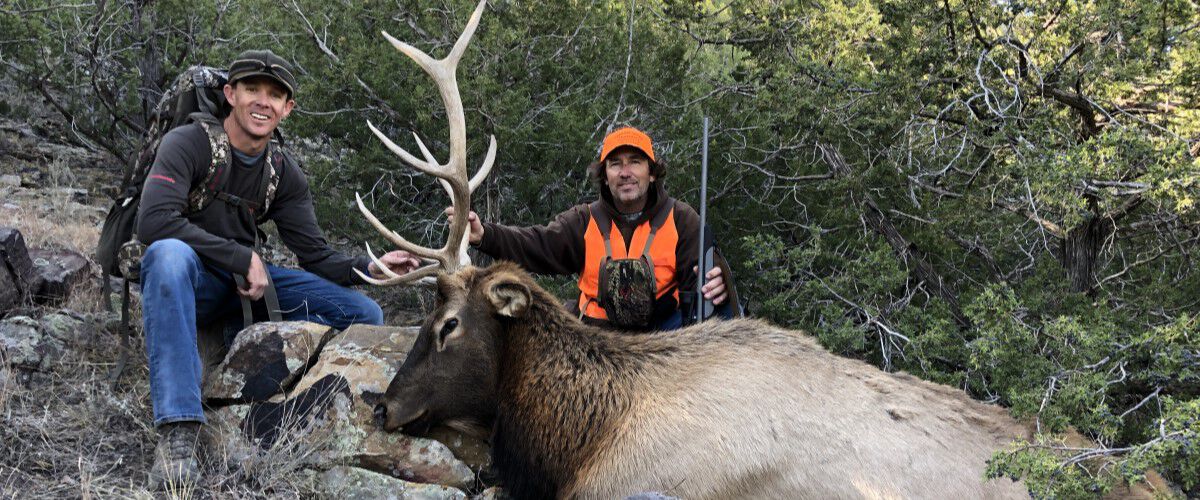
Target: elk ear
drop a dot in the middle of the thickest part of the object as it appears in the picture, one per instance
(509, 296)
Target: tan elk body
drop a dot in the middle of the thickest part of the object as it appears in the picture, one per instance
(726, 409)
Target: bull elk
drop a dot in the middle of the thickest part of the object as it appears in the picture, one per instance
(724, 409)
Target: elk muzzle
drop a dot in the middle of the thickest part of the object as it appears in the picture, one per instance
(391, 416)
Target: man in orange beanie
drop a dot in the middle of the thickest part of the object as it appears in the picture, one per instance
(634, 249)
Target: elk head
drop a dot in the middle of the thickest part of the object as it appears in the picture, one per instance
(451, 373)
(452, 175)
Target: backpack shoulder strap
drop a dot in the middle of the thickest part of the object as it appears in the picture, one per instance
(218, 143)
(277, 160)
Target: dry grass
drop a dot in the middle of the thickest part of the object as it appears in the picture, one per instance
(53, 220)
(300, 439)
(6, 382)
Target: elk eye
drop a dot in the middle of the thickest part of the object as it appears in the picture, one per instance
(447, 328)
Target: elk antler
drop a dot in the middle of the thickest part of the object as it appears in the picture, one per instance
(452, 175)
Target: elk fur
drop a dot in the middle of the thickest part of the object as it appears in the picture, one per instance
(720, 410)
(724, 409)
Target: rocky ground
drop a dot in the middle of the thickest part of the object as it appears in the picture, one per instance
(66, 433)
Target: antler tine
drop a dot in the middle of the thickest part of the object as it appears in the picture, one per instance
(383, 268)
(426, 167)
(486, 167)
(465, 38)
(411, 276)
(424, 150)
(395, 238)
(429, 64)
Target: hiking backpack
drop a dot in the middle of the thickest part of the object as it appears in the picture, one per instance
(197, 95)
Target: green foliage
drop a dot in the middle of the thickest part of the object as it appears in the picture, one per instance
(1041, 469)
(1176, 450)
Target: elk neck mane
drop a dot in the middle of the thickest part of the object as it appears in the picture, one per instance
(551, 365)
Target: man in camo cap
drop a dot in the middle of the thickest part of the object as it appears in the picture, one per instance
(199, 265)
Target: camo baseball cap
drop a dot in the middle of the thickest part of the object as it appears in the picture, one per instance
(263, 63)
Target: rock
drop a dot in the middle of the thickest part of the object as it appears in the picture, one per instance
(222, 436)
(10, 180)
(14, 257)
(366, 358)
(65, 327)
(26, 347)
(330, 412)
(56, 272)
(493, 493)
(265, 360)
(412, 458)
(32, 178)
(472, 450)
(10, 295)
(76, 195)
(352, 482)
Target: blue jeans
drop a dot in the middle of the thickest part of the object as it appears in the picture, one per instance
(178, 291)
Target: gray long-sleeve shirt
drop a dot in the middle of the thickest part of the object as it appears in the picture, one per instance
(222, 234)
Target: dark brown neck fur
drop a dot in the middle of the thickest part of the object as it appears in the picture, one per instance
(551, 368)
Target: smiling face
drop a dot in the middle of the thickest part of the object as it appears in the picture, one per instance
(258, 105)
(627, 173)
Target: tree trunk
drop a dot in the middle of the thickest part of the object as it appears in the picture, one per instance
(912, 256)
(150, 64)
(1081, 249)
(880, 223)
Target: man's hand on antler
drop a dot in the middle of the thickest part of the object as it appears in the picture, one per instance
(398, 261)
(476, 233)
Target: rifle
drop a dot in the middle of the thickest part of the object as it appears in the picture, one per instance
(704, 261)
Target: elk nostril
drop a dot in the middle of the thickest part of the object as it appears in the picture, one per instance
(380, 414)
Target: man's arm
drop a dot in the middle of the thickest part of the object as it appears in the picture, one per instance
(294, 216)
(181, 159)
(555, 248)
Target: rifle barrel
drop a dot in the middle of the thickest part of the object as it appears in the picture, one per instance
(701, 265)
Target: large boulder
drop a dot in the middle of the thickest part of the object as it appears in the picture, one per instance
(265, 360)
(56, 272)
(328, 411)
(41, 276)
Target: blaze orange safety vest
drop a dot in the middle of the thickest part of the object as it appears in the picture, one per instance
(661, 252)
